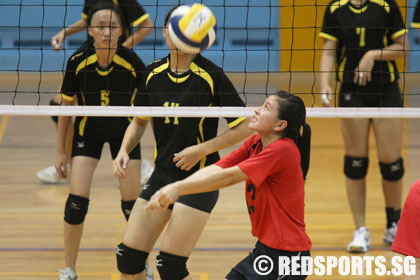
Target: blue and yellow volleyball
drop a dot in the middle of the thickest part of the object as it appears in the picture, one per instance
(192, 28)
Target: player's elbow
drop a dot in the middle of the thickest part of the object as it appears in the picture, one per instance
(139, 123)
(148, 25)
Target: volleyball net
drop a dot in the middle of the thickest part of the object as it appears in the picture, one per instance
(262, 45)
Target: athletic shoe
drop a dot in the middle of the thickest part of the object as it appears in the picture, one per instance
(49, 175)
(149, 273)
(146, 171)
(360, 242)
(390, 233)
(67, 274)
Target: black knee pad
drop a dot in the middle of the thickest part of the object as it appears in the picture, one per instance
(129, 260)
(392, 171)
(126, 207)
(76, 209)
(171, 267)
(356, 167)
(53, 103)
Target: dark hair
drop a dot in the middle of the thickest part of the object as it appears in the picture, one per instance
(292, 109)
(105, 6)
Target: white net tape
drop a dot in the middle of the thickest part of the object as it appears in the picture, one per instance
(43, 110)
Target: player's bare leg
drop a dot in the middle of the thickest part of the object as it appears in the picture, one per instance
(356, 142)
(356, 137)
(389, 144)
(143, 229)
(182, 233)
(80, 184)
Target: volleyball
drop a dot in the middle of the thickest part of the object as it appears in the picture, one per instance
(192, 28)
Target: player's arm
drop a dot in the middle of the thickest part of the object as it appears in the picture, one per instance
(132, 137)
(398, 49)
(207, 179)
(227, 138)
(330, 32)
(57, 40)
(145, 27)
(326, 70)
(133, 134)
(62, 128)
(188, 157)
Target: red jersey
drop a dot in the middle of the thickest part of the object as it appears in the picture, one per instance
(274, 192)
(407, 240)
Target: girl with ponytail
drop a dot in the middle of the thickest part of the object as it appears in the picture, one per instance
(274, 163)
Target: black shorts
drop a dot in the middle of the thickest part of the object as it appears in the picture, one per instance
(244, 270)
(201, 201)
(92, 147)
(353, 95)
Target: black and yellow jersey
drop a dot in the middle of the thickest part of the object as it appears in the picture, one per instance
(205, 84)
(94, 86)
(133, 13)
(416, 19)
(359, 29)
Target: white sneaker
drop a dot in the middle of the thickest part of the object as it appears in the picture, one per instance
(146, 171)
(390, 233)
(67, 274)
(149, 273)
(360, 242)
(49, 175)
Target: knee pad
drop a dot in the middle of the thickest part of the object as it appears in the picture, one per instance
(171, 267)
(356, 167)
(53, 103)
(126, 207)
(76, 209)
(392, 171)
(129, 260)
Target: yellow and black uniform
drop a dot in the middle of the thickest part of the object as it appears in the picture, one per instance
(94, 86)
(132, 12)
(416, 19)
(357, 30)
(204, 84)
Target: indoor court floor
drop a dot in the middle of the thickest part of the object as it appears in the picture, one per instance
(31, 213)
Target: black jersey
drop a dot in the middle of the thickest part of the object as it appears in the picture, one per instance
(360, 29)
(132, 12)
(94, 86)
(204, 84)
(416, 19)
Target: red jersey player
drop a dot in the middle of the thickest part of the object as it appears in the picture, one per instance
(274, 164)
(407, 240)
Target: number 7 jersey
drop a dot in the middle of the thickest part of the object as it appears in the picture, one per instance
(359, 29)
